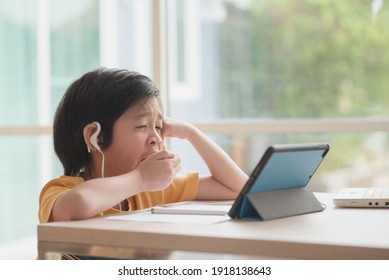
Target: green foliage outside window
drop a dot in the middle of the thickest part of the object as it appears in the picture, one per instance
(305, 59)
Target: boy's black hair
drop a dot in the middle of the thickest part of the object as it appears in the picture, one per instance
(101, 95)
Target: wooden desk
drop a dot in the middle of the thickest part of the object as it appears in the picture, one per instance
(332, 234)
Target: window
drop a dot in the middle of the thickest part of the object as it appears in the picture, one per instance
(319, 67)
(48, 45)
(249, 73)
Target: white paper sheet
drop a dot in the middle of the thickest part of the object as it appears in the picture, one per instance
(182, 213)
(192, 209)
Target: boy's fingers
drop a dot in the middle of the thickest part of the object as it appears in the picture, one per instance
(165, 154)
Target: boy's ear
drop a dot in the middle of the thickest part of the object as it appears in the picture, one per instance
(87, 132)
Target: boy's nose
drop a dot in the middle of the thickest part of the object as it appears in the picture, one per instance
(155, 140)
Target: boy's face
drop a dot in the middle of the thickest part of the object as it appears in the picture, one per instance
(136, 135)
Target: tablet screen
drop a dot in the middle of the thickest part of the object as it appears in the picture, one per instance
(287, 170)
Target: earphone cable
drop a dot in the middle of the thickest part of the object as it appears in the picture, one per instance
(102, 174)
(102, 164)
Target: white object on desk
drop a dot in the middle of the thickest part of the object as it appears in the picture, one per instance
(180, 213)
(372, 197)
(192, 208)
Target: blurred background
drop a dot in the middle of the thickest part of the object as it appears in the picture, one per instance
(249, 73)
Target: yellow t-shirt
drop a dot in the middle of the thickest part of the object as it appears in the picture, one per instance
(182, 188)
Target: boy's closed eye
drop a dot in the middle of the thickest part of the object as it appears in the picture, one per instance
(140, 126)
(158, 128)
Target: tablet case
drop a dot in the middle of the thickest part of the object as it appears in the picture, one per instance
(279, 204)
(278, 185)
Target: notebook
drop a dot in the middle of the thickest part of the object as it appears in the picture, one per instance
(278, 185)
(193, 208)
(373, 197)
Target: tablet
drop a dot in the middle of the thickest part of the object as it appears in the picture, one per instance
(282, 167)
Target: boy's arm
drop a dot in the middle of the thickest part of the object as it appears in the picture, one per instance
(97, 195)
(226, 179)
(93, 197)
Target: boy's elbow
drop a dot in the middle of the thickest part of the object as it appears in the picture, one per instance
(210, 188)
(72, 207)
(232, 194)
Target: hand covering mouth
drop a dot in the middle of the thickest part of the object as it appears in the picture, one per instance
(147, 155)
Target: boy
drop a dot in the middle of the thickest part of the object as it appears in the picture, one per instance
(108, 134)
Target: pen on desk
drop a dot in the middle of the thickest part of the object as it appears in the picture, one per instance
(186, 211)
(166, 211)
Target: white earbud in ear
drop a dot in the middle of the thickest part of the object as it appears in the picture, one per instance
(93, 139)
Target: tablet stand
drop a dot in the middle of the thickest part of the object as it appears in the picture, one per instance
(278, 204)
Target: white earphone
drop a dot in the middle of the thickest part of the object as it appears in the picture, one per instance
(94, 141)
